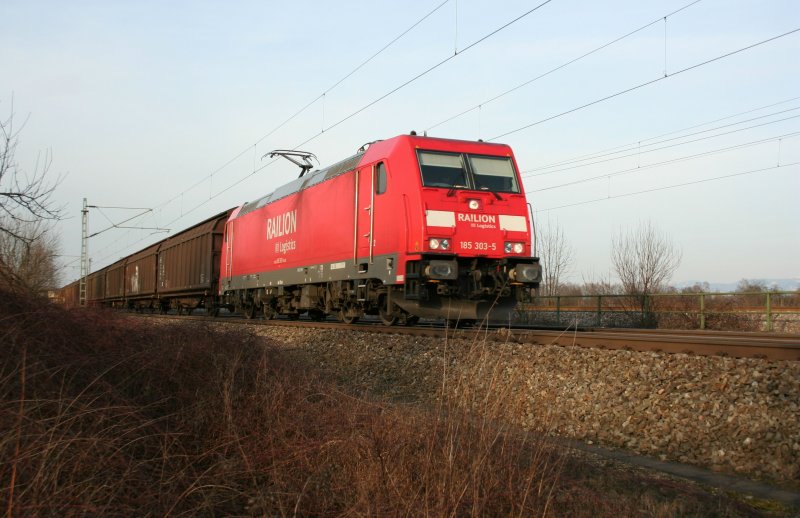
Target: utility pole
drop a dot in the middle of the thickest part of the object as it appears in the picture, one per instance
(85, 261)
(84, 252)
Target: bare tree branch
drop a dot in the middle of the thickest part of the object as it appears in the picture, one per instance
(25, 198)
(556, 255)
(28, 257)
(645, 260)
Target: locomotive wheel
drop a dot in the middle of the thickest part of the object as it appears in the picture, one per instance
(249, 311)
(387, 318)
(345, 318)
(213, 311)
(269, 312)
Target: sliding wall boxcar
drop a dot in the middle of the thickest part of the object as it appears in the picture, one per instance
(71, 295)
(115, 284)
(188, 263)
(96, 288)
(141, 276)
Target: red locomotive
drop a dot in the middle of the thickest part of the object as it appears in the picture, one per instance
(408, 227)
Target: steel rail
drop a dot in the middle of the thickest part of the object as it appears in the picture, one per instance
(769, 346)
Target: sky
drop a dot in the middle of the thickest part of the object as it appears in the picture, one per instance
(619, 113)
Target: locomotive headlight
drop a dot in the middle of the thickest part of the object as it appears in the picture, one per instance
(474, 204)
(526, 273)
(442, 270)
(517, 248)
(436, 243)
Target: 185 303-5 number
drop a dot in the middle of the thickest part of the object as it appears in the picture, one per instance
(478, 245)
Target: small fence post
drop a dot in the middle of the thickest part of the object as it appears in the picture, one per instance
(769, 312)
(599, 310)
(702, 311)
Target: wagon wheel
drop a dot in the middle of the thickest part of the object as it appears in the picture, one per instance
(179, 309)
(411, 320)
(213, 311)
(388, 318)
(345, 318)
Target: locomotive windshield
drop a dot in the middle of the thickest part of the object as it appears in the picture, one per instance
(466, 171)
(442, 170)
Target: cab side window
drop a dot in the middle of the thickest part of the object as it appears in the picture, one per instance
(381, 179)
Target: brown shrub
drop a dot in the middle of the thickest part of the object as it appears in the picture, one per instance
(112, 416)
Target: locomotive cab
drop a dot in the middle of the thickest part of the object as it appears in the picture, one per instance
(474, 238)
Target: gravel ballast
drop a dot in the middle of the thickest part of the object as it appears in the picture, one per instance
(732, 415)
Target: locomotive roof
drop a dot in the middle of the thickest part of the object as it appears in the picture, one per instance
(348, 164)
(304, 182)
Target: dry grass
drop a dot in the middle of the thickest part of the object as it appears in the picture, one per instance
(102, 415)
(107, 416)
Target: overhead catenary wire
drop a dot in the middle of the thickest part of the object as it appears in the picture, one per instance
(640, 168)
(674, 186)
(434, 67)
(597, 154)
(639, 151)
(556, 69)
(646, 83)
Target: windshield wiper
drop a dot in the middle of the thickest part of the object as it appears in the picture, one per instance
(453, 189)
(495, 194)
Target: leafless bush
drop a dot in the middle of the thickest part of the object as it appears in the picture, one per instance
(644, 260)
(720, 313)
(556, 257)
(28, 262)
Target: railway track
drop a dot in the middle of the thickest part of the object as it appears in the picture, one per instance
(770, 346)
